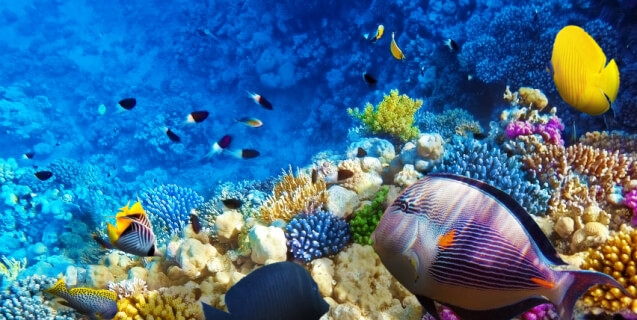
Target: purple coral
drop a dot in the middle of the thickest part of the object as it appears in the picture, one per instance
(631, 201)
(541, 312)
(551, 131)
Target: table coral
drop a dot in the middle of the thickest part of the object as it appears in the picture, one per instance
(169, 207)
(393, 116)
(617, 258)
(316, 235)
(366, 219)
(293, 195)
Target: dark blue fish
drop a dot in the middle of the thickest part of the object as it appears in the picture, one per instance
(282, 291)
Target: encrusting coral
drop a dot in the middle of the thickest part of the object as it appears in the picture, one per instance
(174, 303)
(617, 258)
(292, 195)
(393, 116)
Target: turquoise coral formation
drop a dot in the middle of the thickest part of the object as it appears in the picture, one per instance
(169, 208)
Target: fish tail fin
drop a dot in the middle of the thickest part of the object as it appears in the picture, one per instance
(609, 80)
(214, 150)
(59, 288)
(211, 313)
(574, 285)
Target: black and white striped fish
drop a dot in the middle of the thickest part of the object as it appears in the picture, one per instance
(133, 233)
(469, 246)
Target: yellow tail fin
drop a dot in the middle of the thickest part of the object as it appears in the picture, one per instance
(609, 80)
(58, 288)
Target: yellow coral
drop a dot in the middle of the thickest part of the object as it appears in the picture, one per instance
(167, 304)
(12, 267)
(394, 115)
(617, 258)
(292, 195)
(526, 97)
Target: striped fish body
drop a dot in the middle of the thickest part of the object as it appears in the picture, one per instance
(133, 232)
(470, 246)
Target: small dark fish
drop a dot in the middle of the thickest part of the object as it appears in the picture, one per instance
(453, 46)
(29, 155)
(260, 100)
(361, 153)
(282, 291)
(225, 141)
(44, 175)
(219, 146)
(103, 243)
(344, 174)
(197, 116)
(194, 221)
(28, 206)
(232, 203)
(480, 135)
(173, 137)
(128, 103)
(535, 16)
(369, 79)
(314, 175)
(245, 153)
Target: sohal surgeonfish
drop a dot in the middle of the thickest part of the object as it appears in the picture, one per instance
(467, 245)
(94, 303)
(580, 72)
(282, 291)
(133, 233)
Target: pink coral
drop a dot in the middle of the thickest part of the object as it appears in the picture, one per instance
(540, 312)
(551, 131)
(631, 202)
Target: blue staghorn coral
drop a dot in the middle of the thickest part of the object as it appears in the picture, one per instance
(316, 235)
(488, 163)
(169, 207)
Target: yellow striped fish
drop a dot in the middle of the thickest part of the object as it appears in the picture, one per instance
(469, 246)
(580, 72)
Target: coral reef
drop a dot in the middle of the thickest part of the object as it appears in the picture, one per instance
(293, 195)
(449, 123)
(316, 235)
(174, 303)
(366, 219)
(393, 116)
(615, 258)
(24, 300)
(169, 208)
(488, 163)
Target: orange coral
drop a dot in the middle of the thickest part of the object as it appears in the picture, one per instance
(602, 167)
(611, 141)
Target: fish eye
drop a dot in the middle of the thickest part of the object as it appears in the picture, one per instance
(402, 205)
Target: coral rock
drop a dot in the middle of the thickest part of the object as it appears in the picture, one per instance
(591, 235)
(564, 227)
(193, 256)
(430, 146)
(99, 276)
(268, 244)
(407, 176)
(341, 202)
(229, 225)
(322, 271)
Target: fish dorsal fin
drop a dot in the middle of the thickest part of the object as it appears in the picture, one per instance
(518, 211)
(58, 288)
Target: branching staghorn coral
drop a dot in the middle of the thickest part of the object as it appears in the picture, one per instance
(292, 195)
(612, 141)
(394, 116)
(617, 258)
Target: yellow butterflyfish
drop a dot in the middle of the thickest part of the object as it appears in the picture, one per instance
(395, 51)
(580, 72)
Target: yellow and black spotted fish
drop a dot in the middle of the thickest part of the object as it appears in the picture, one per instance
(96, 304)
(469, 246)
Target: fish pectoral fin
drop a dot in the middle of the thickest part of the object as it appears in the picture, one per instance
(543, 283)
(429, 305)
(447, 239)
(503, 313)
(212, 313)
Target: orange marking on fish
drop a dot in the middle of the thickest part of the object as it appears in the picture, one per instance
(447, 239)
(543, 283)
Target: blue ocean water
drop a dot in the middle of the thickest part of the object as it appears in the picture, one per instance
(65, 65)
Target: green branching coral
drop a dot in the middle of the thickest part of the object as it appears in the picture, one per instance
(367, 218)
(394, 116)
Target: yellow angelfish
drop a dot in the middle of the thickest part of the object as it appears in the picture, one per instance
(395, 51)
(580, 72)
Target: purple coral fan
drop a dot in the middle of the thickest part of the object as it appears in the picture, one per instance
(316, 235)
(551, 131)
